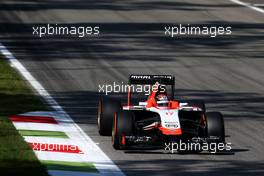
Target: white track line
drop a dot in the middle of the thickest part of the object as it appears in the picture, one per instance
(58, 156)
(108, 167)
(49, 140)
(248, 5)
(37, 126)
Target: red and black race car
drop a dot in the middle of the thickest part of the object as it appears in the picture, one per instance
(157, 118)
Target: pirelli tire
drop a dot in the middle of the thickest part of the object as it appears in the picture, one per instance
(215, 126)
(106, 110)
(122, 126)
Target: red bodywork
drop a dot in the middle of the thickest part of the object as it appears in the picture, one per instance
(151, 102)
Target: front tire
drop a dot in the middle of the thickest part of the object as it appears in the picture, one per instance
(106, 111)
(122, 126)
(215, 126)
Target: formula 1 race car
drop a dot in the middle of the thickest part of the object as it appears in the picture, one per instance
(158, 118)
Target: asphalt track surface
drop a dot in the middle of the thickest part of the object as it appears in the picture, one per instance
(227, 72)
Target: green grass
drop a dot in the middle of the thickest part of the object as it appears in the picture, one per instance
(39, 133)
(16, 157)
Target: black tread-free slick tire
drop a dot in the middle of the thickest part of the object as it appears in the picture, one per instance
(106, 110)
(215, 126)
(122, 126)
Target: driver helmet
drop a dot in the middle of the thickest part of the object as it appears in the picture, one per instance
(162, 97)
(161, 94)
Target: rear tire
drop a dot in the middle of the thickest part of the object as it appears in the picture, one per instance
(106, 111)
(215, 126)
(122, 126)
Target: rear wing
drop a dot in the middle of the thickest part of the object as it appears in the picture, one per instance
(152, 79)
